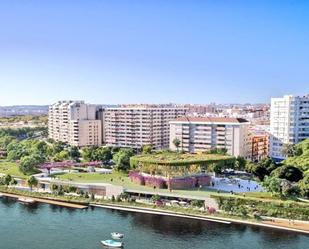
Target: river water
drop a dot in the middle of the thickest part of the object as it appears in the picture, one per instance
(43, 226)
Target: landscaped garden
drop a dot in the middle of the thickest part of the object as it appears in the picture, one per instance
(174, 170)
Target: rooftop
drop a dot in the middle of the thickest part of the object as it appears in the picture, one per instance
(211, 120)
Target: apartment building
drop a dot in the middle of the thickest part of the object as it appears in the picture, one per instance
(74, 122)
(197, 134)
(260, 146)
(138, 125)
(289, 122)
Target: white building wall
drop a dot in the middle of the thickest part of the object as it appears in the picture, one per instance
(199, 136)
(289, 122)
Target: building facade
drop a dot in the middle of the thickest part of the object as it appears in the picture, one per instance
(260, 146)
(135, 126)
(74, 122)
(203, 134)
(289, 123)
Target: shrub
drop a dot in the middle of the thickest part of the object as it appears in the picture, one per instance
(197, 203)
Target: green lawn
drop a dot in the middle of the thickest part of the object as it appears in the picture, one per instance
(179, 159)
(10, 168)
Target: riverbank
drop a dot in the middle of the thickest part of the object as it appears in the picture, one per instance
(48, 201)
(282, 224)
(275, 223)
(159, 212)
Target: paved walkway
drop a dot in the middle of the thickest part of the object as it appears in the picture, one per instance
(294, 224)
(48, 201)
(236, 185)
(278, 224)
(159, 212)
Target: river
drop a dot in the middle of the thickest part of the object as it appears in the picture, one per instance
(43, 226)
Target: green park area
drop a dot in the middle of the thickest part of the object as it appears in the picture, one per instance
(122, 179)
(11, 168)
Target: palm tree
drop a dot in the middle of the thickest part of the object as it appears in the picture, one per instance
(32, 181)
(176, 142)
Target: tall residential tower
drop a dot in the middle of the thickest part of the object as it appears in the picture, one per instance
(200, 134)
(74, 122)
(289, 122)
(138, 125)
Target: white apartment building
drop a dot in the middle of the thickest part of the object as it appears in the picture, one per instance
(289, 122)
(74, 122)
(197, 134)
(135, 126)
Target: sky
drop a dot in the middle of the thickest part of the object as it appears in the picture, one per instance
(160, 51)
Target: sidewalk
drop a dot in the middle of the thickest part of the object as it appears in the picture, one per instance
(293, 224)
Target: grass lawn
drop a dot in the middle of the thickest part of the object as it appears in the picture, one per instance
(179, 159)
(10, 168)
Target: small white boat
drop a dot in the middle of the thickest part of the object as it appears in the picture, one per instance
(117, 235)
(112, 243)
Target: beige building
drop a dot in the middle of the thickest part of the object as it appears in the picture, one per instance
(74, 122)
(203, 134)
(135, 126)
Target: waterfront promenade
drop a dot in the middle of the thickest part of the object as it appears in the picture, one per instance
(267, 222)
(281, 224)
(48, 201)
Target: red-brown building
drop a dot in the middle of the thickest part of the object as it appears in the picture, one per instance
(260, 146)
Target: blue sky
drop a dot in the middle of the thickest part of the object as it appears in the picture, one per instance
(152, 51)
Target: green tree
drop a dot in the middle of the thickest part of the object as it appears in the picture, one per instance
(197, 203)
(16, 150)
(88, 153)
(177, 143)
(58, 147)
(249, 167)
(74, 153)
(304, 186)
(272, 185)
(301, 157)
(122, 159)
(13, 182)
(146, 149)
(242, 211)
(240, 163)
(103, 154)
(5, 141)
(260, 172)
(289, 173)
(32, 182)
(61, 156)
(7, 180)
(28, 163)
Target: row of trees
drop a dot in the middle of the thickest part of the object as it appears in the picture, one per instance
(119, 156)
(9, 180)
